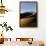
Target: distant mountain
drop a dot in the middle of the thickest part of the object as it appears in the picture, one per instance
(22, 15)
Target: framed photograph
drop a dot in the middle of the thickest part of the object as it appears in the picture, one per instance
(28, 13)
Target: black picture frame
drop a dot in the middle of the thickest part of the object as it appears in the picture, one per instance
(36, 13)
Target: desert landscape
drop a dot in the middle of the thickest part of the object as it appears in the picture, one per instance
(28, 19)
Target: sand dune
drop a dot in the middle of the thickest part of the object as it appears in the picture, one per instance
(25, 21)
